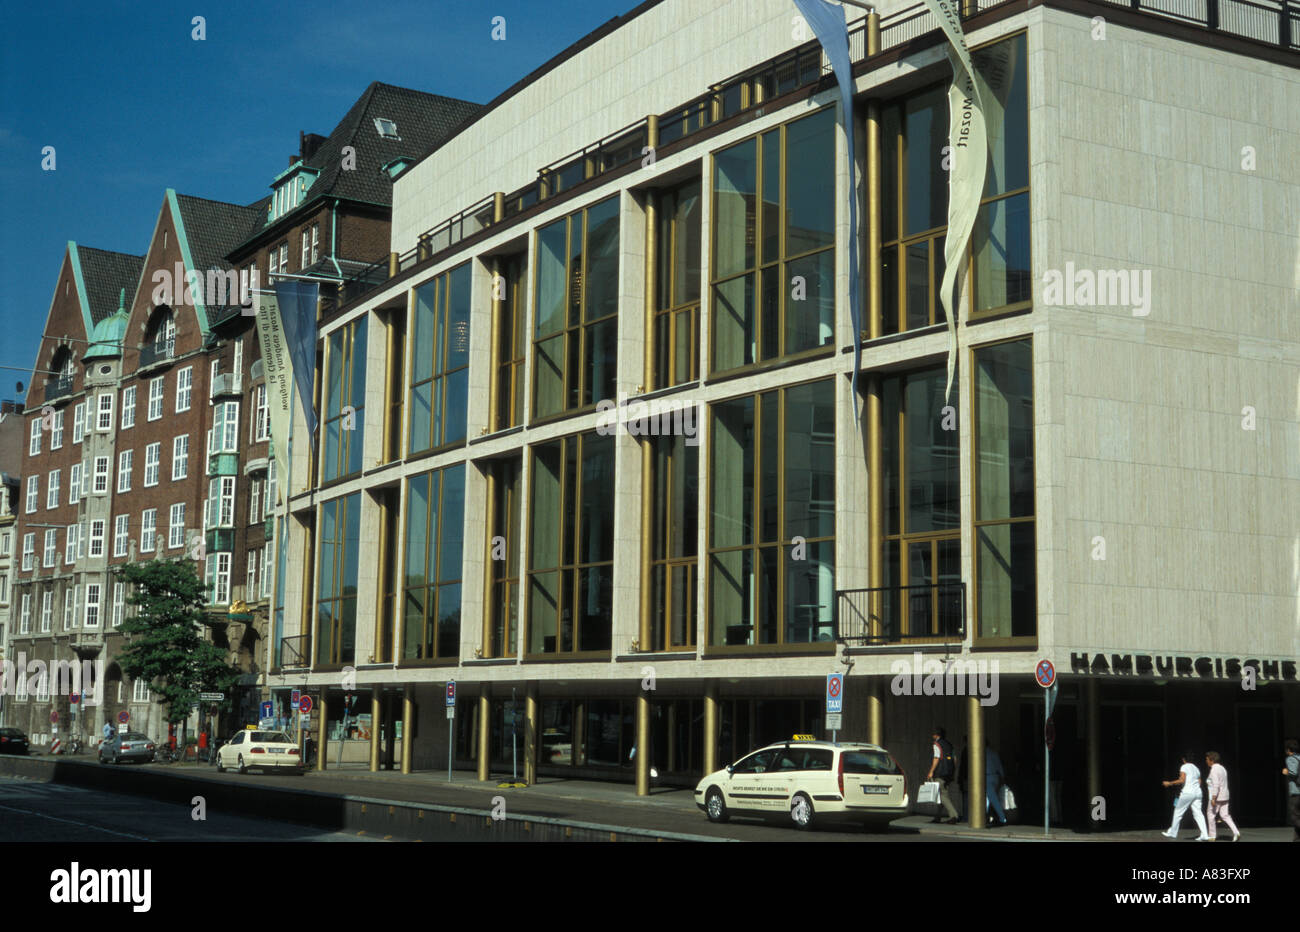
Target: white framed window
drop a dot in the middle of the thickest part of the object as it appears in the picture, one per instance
(284, 256)
(43, 686)
(121, 534)
(74, 484)
(33, 493)
(217, 577)
(225, 428)
(76, 604)
(238, 369)
(128, 407)
(213, 371)
(152, 454)
(156, 389)
(220, 509)
(101, 475)
(4, 589)
(262, 417)
(105, 421)
(263, 564)
(250, 575)
(52, 547)
(34, 439)
(56, 431)
(67, 608)
(140, 691)
(47, 609)
(92, 605)
(149, 530)
(176, 527)
(315, 240)
(180, 457)
(184, 388)
(25, 619)
(125, 461)
(70, 544)
(119, 602)
(52, 489)
(29, 550)
(268, 497)
(79, 422)
(255, 501)
(97, 537)
(4, 543)
(306, 250)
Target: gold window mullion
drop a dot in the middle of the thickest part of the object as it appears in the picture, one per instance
(782, 621)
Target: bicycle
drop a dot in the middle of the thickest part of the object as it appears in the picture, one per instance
(75, 746)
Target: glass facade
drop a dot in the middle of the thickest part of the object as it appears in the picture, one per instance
(435, 533)
(772, 518)
(508, 290)
(571, 546)
(773, 244)
(674, 542)
(440, 361)
(575, 324)
(503, 557)
(345, 400)
(336, 581)
(677, 285)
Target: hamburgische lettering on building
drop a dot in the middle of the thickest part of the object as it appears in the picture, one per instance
(1174, 666)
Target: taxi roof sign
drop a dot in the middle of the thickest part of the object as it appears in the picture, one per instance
(804, 738)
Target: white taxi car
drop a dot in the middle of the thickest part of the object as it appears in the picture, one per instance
(260, 750)
(808, 781)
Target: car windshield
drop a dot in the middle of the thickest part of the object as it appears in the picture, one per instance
(270, 737)
(135, 736)
(869, 762)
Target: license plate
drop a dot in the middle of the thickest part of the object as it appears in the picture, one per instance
(870, 790)
(277, 750)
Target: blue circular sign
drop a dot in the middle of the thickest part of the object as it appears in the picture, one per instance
(1045, 673)
(304, 703)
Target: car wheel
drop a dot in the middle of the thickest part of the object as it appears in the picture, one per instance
(715, 807)
(101, 759)
(801, 811)
(221, 768)
(242, 768)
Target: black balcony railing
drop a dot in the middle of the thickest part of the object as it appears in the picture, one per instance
(895, 614)
(58, 388)
(293, 652)
(157, 351)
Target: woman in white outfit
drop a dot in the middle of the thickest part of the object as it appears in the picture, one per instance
(1217, 789)
(1189, 778)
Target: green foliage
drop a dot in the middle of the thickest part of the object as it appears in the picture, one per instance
(165, 642)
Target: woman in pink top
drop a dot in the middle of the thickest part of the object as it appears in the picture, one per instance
(1218, 795)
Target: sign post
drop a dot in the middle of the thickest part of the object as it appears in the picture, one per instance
(451, 722)
(834, 702)
(1045, 673)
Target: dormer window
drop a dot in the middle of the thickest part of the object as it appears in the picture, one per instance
(290, 190)
(387, 128)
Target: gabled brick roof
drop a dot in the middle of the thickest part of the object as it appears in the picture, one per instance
(213, 228)
(106, 274)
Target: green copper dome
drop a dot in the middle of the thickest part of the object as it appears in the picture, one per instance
(107, 339)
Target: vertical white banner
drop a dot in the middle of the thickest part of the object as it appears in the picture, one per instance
(969, 156)
(279, 379)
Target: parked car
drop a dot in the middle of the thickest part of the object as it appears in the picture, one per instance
(261, 750)
(808, 781)
(131, 746)
(13, 741)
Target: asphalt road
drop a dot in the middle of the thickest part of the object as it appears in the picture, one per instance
(53, 812)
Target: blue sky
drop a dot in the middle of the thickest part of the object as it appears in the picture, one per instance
(133, 105)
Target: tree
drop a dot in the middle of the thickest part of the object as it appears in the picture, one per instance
(165, 645)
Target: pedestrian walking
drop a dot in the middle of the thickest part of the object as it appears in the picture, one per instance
(108, 730)
(1292, 773)
(994, 775)
(1189, 778)
(1217, 788)
(944, 769)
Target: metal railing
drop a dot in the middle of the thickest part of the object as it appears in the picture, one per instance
(158, 351)
(58, 388)
(1276, 23)
(293, 651)
(895, 614)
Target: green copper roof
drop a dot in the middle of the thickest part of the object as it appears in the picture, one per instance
(106, 340)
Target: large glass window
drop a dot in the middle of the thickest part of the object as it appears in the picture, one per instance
(773, 244)
(772, 518)
(503, 556)
(435, 534)
(920, 452)
(1004, 491)
(571, 546)
(677, 285)
(914, 189)
(345, 399)
(575, 331)
(440, 363)
(674, 542)
(336, 580)
(508, 291)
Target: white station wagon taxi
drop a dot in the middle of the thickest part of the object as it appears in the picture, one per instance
(808, 781)
(261, 750)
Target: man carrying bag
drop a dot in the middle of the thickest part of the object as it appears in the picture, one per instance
(942, 768)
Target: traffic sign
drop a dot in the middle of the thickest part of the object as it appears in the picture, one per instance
(211, 697)
(1045, 673)
(268, 711)
(74, 698)
(123, 717)
(834, 721)
(294, 697)
(834, 693)
(451, 711)
(54, 717)
(451, 693)
(304, 704)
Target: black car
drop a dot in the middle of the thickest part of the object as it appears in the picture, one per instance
(13, 741)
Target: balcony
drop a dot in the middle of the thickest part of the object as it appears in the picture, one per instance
(58, 388)
(225, 385)
(270, 528)
(219, 540)
(157, 353)
(902, 614)
(223, 464)
(293, 652)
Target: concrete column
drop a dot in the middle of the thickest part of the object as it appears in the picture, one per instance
(642, 744)
(323, 743)
(376, 725)
(976, 803)
(1092, 722)
(408, 713)
(876, 712)
(530, 736)
(484, 733)
(711, 727)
